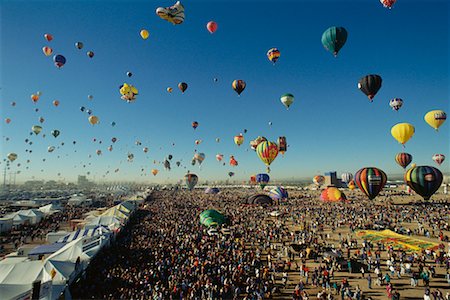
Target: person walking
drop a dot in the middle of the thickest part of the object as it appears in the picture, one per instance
(369, 281)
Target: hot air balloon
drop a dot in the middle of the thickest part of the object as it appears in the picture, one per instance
(239, 86)
(55, 102)
(334, 38)
(182, 86)
(110, 148)
(273, 55)
(388, 3)
(253, 179)
(278, 194)
(129, 74)
(351, 185)
(79, 45)
(113, 139)
(93, 120)
(51, 149)
(12, 156)
(424, 180)
(199, 157)
(262, 179)
(167, 165)
(346, 177)
(36, 129)
(435, 118)
(47, 51)
(48, 37)
(287, 100)
(55, 133)
(128, 92)
(145, 149)
(144, 34)
(34, 98)
(233, 161)
(396, 103)
(211, 26)
(13, 103)
(113, 124)
(403, 159)
(98, 152)
(130, 157)
(370, 181)
(239, 139)
(219, 157)
(231, 174)
(191, 180)
(194, 124)
(90, 54)
(198, 142)
(438, 158)
(318, 180)
(267, 152)
(402, 132)
(154, 172)
(282, 144)
(254, 144)
(332, 194)
(7, 120)
(169, 90)
(370, 85)
(173, 14)
(170, 156)
(59, 60)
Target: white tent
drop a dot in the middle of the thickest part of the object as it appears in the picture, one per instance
(49, 209)
(16, 280)
(35, 215)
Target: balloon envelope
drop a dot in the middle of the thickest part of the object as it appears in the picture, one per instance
(403, 159)
(435, 118)
(334, 38)
(239, 86)
(370, 181)
(424, 180)
(211, 26)
(332, 194)
(402, 132)
(287, 100)
(191, 180)
(370, 85)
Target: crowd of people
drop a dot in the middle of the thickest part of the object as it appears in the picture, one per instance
(309, 250)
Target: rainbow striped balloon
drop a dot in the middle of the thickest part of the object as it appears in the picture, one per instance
(370, 181)
(424, 180)
(267, 152)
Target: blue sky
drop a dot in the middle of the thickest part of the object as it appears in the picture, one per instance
(331, 125)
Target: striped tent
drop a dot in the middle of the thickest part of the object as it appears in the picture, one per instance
(85, 232)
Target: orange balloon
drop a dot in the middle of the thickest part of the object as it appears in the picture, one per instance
(34, 98)
(55, 102)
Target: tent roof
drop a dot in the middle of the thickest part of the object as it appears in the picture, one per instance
(46, 249)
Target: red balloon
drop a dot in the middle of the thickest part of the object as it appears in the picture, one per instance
(48, 37)
(211, 26)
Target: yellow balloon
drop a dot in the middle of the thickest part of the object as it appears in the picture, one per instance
(435, 118)
(402, 132)
(145, 34)
(169, 90)
(93, 120)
